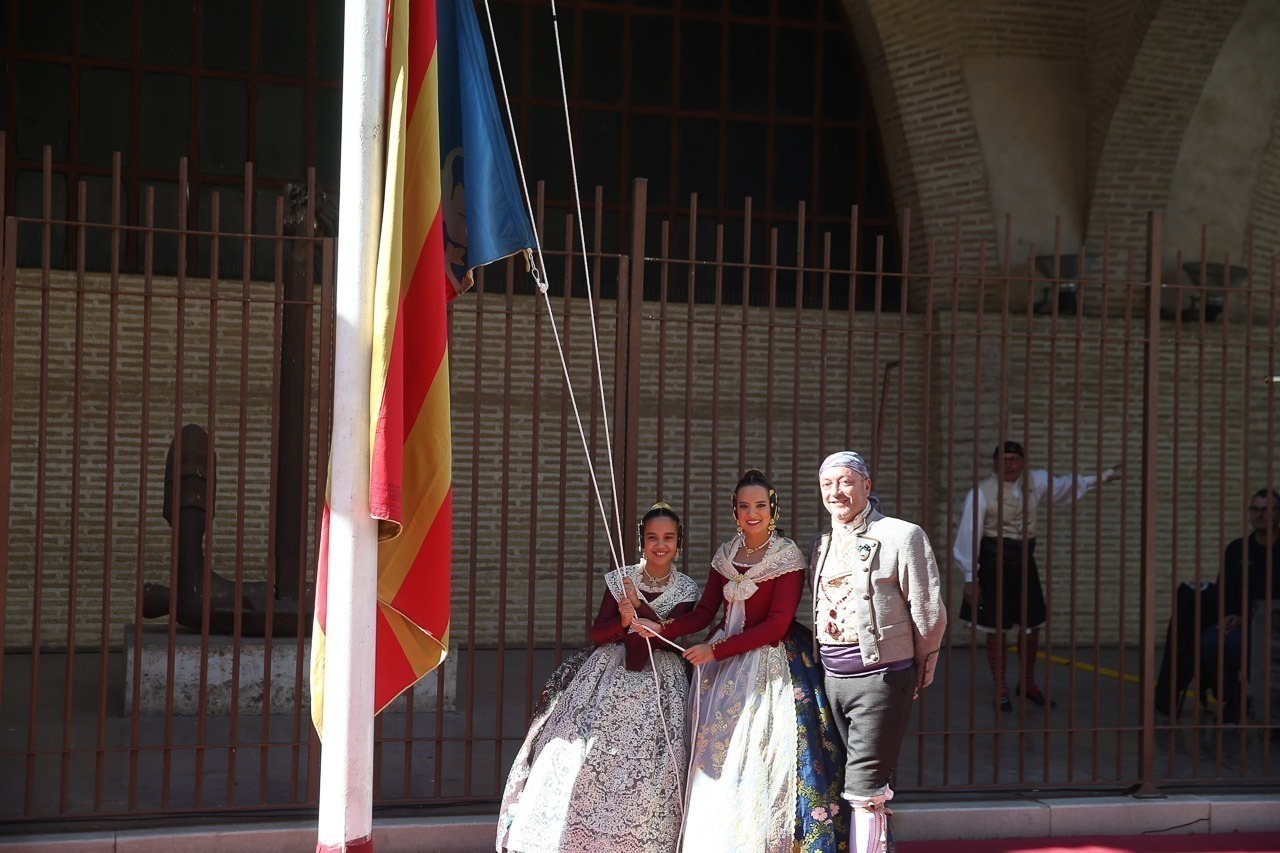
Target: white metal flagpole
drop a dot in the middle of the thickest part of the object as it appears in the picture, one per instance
(346, 760)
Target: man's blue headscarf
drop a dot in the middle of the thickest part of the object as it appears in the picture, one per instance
(855, 463)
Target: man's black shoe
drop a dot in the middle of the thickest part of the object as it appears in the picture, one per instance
(1036, 696)
(1006, 705)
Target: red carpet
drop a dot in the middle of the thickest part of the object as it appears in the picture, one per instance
(1234, 842)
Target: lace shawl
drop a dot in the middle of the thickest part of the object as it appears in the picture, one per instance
(782, 557)
(682, 588)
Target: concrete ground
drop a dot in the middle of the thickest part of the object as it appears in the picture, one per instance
(1054, 819)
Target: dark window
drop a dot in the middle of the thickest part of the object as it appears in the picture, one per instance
(280, 131)
(45, 27)
(282, 39)
(166, 32)
(164, 121)
(224, 126)
(44, 101)
(106, 29)
(726, 98)
(104, 97)
(160, 80)
(222, 42)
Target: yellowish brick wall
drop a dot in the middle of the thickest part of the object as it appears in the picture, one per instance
(1075, 392)
(105, 562)
(930, 457)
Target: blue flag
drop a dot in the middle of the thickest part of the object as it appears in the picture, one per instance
(483, 209)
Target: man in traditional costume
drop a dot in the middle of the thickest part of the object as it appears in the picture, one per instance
(878, 620)
(998, 532)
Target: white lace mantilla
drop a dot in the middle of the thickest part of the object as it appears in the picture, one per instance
(681, 588)
(782, 558)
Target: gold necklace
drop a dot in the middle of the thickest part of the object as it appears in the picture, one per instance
(656, 583)
(748, 550)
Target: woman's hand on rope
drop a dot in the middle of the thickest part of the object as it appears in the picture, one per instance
(699, 654)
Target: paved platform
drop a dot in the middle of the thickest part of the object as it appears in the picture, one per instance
(917, 819)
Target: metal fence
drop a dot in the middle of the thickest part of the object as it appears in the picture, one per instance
(720, 348)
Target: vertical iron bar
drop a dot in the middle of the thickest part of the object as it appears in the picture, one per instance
(276, 487)
(1269, 661)
(144, 451)
(206, 576)
(822, 343)
(626, 413)
(744, 338)
(852, 308)
(690, 319)
(108, 550)
(1247, 652)
(73, 561)
(242, 440)
(772, 284)
(1103, 370)
(324, 417)
(926, 445)
(500, 675)
(1150, 500)
(293, 584)
(8, 305)
(1121, 639)
(473, 569)
(904, 294)
(175, 482)
(37, 591)
(664, 275)
(797, 345)
(566, 320)
(717, 319)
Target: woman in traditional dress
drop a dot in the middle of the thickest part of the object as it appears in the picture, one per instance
(602, 768)
(765, 773)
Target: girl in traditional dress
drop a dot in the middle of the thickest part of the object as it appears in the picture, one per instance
(766, 755)
(602, 768)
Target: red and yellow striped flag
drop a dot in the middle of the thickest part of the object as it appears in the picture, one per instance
(443, 128)
(409, 478)
(409, 481)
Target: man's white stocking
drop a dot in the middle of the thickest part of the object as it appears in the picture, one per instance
(869, 829)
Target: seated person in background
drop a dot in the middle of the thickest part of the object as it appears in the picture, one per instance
(1250, 573)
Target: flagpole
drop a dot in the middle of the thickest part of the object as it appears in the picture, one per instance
(346, 760)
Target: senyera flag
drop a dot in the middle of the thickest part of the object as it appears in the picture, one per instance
(451, 204)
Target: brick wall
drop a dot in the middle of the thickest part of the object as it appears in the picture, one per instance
(72, 474)
(528, 546)
(1076, 403)
(1144, 65)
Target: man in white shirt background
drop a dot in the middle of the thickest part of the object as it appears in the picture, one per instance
(995, 551)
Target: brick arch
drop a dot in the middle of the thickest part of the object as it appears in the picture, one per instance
(1146, 129)
(912, 51)
(1116, 30)
(1217, 176)
(1264, 208)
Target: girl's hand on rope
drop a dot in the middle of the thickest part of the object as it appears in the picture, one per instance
(699, 654)
(627, 611)
(645, 628)
(627, 606)
(630, 589)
